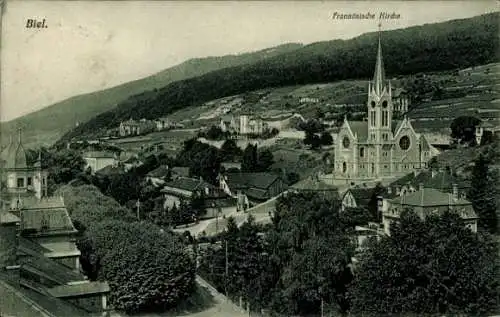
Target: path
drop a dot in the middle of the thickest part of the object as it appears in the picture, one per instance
(208, 303)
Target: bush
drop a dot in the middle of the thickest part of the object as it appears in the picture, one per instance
(148, 269)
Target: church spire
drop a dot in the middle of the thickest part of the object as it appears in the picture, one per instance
(379, 76)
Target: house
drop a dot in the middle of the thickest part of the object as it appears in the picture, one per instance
(111, 170)
(313, 184)
(356, 198)
(427, 201)
(248, 125)
(180, 171)
(185, 188)
(159, 175)
(228, 124)
(400, 100)
(438, 179)
(133, 127)
(96, 160)
(230, 165)
(39, 261)
(255, 186)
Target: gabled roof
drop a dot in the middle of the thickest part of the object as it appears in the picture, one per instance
(111, 170)
(47, 215)
(359, 128)
(312, 184)
(361, 195)
(181, 171)
(429, 197)
(442, 180)
(189, 184)
(248, 180)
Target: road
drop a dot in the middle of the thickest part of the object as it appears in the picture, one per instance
(207, 303)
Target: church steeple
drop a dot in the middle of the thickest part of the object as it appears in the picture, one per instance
(379, 75)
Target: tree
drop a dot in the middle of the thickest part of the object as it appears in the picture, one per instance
(309, 252)
(230, 151)
(249, 161)
(482, 194)
(429, 266)
(326, 138)
(373, 203)
(147, 269)
(264, 160)
(463, 129)
(312, 139)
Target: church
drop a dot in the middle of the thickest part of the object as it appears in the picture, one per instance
(379, 147)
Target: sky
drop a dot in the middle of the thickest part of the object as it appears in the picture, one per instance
(92, 45)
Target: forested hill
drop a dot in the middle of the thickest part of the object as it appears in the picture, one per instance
(431, 47)
(47, 125)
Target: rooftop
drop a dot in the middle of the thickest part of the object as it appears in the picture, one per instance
(248, 180)
(429, 197)
(98, 154)
(78, 289)
(186, 183)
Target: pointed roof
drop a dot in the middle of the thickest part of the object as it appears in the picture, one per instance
(15, 155)
(379, 75)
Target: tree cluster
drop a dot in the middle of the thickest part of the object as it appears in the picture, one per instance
(463, 130)
(147, 268)
(431, 266)
(315, 141)
(202, 159)
(255, 160)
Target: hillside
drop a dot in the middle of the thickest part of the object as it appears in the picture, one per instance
(49, 124)
(432, 47)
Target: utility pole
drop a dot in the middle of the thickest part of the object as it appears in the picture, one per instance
(138, 205)
(322, 307)
(227, 269)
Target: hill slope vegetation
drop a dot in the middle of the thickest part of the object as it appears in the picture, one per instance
(432, 47)
(49, 124)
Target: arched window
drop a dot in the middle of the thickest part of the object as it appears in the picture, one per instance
(361, 152)
(344, 167)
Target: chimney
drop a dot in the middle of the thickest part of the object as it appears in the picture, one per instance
(455, 191)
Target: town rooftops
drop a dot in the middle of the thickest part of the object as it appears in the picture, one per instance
(248, 180)
(78, 289)
(429, 197)
(111, 170)
(98, 154)
(312, 184)
(441, 180)
(181, 171)
(361, 195)
(47, 215)
(188, 184)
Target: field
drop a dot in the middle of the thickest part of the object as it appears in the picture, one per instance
(171, 141)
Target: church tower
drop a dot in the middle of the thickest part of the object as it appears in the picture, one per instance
(380, 109)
